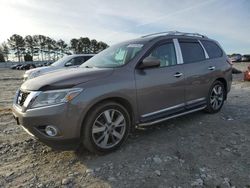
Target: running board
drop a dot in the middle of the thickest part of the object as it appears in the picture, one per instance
(170, 117)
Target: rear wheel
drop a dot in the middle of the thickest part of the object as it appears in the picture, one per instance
(106, 127)
(216, 97)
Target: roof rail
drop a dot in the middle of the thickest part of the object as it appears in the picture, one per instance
(175, 33)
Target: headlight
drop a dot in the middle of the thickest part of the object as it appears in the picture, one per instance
(25, 77)
(53, 97)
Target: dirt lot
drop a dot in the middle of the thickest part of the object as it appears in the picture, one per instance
(197, 150)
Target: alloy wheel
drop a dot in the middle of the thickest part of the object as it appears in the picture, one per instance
(217, 97)
(109, 128)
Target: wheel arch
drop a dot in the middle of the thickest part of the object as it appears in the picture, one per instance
(120, 100)
(224, 82)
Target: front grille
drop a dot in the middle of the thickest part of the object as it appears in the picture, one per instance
(21, 97)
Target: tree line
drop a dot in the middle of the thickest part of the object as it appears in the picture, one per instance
(44, 48)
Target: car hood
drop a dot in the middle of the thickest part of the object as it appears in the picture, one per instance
(41, 70)
(37, 69)
(65, 78)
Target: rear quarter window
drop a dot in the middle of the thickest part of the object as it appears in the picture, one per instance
(192, 51)
(213, 50)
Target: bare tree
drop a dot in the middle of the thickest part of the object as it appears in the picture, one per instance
(74, 45)
(62, 46)
(30, 44)
(41, 41)
(5, 51)
(17, 44)
(93, 46)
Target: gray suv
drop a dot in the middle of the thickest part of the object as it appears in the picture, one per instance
(134, 83)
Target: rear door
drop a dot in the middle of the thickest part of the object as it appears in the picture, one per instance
(198, 72)
(160, 90)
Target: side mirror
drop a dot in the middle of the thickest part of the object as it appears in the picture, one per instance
(149, 62)
(68, 64)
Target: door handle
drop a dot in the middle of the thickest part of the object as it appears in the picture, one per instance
(211, 68)
(178, 74)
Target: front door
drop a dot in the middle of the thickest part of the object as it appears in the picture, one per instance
(160, 90)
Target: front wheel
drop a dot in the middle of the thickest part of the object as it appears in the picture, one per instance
(106, 127)
(216, 97)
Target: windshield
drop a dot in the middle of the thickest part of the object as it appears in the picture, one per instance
(61, 61)
(114, 56)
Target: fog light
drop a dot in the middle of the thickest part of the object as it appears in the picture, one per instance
(51, 130)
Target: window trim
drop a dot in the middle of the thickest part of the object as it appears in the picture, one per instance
(178, 51)
(204, 49)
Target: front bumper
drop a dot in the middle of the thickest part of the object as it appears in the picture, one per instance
(63, 117)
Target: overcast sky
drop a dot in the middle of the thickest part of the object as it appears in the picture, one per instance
(111, 21)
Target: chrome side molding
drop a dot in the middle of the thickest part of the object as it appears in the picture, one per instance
(173, 116)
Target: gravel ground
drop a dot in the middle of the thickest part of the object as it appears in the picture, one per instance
(197, 150)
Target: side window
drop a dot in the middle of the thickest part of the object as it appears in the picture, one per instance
(86, 58)
(166, 54)
(77, 60)
(191, 51)
(212, 49)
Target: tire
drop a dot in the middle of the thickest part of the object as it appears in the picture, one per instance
(216, 97)
(106, 127)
